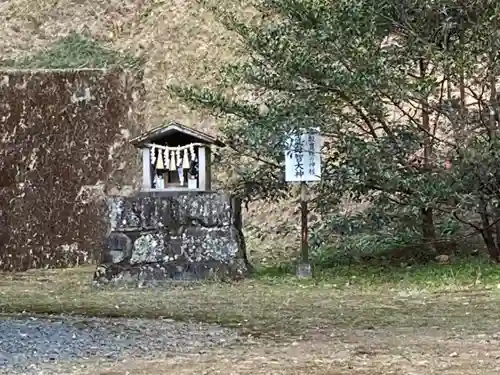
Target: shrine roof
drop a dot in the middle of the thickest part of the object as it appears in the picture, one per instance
(173, 130)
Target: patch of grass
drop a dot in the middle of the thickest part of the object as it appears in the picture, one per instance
(464, 272)
(76, 51)
(266, 306)
(431, 275)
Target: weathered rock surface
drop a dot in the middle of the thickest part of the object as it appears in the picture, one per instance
(172, 236)
(64, 145)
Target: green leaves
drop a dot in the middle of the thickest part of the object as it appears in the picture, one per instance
(376, 78)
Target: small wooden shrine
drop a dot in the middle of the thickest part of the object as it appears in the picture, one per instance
(175, 157)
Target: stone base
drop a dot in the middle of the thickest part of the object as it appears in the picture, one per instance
(155, 274)
(180, 237)
(304, 270)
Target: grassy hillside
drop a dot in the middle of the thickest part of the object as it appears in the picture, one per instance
(179, 42)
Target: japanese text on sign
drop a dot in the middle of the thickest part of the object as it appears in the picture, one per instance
(303, 158)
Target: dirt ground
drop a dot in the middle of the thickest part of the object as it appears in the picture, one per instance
(341, 352)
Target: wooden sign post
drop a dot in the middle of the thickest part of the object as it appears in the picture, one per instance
(303, 164)
(304, 232)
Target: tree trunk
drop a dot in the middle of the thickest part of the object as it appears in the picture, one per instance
(490, 245)
(428, 229)
(497, 230)
(487, 233)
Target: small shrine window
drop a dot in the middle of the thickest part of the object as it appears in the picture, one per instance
(175, 157)
(174, 166)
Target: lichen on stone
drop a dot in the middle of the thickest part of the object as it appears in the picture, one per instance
(173, 237)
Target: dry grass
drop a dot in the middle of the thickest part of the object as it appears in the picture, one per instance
(296, 327)
(272, 308)
(181, 43)
(363, 354)
(378, 352)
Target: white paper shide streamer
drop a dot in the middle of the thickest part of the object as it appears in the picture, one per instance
(152, 155)
(166, 158)
(172, 166)
(185, 159)
(193, 154)
(159, 160)
(172, 159)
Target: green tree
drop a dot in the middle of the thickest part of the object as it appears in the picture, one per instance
(389, 85)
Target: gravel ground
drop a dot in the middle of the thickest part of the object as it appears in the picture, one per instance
(33, 345)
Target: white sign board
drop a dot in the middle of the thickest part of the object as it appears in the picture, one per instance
(303, 158)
